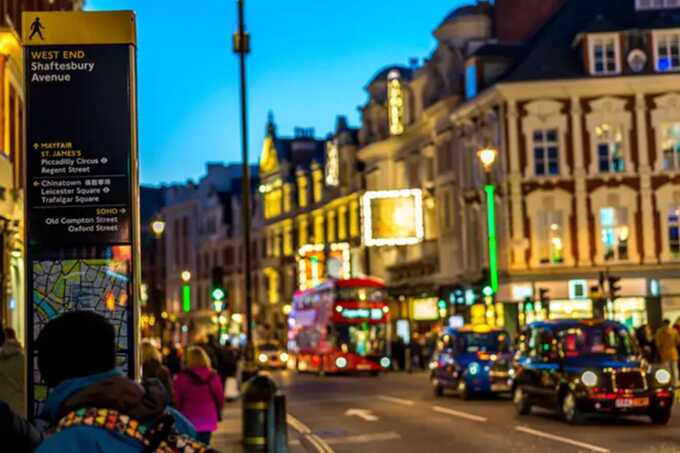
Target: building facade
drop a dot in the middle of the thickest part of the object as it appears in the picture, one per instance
(583, 112)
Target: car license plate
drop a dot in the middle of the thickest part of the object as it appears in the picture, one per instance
(624, 402)
(363, 367)
(641, 402)
(500, 387)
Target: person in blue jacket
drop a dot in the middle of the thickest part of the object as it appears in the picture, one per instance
(93, 407)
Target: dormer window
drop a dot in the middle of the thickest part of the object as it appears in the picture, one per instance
(667, 51)
(604, 54)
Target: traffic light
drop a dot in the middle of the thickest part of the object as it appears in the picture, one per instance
(614, 287)
(217, 292)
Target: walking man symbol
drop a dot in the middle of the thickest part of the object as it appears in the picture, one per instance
(36, 29)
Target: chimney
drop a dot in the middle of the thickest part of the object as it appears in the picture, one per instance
(513, 22)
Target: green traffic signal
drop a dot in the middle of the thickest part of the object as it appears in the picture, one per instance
(218, 294)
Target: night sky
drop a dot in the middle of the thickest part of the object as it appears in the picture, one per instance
(310, 62)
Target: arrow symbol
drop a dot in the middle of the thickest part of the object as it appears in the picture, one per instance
(361, 413)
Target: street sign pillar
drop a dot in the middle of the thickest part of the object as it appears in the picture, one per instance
(81, 179)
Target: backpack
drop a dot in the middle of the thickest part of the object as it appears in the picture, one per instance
(161, 437)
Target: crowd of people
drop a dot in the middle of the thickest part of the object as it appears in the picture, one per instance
(662, 346)
(93, 406)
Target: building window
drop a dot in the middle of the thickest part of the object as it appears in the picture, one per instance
(342, 223)
(546, 152)
(670, 145)
(471, 81)
(354, 219)
(318, 185)
(604, 55)
(667, 51)
(615, 233)
(302, 191)
(551, 237)
(318, 230)
(674, 231)
(609, 142)
(332, 163)
(288, 241)
(287, 200)
(303, 233)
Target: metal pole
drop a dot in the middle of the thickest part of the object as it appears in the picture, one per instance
(242, 48)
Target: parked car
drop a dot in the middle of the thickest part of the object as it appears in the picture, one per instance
(271, 356)
(472, 360)
(588, 367)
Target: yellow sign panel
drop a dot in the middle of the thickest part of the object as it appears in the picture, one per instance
(48, 28)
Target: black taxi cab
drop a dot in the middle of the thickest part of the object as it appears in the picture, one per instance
(587, 367)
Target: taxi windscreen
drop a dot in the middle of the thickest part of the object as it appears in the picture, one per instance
(596, 340)
(468, 342)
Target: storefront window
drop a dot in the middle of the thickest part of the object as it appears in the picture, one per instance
(614, 233)
(551, 235)
(671, 146)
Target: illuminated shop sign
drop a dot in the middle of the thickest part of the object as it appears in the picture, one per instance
(393, 217)
(425, 309)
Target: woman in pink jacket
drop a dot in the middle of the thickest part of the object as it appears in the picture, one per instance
(199, 393)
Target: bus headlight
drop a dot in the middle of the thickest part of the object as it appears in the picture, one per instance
(662, 376)
(341, 362)
(589, 379)
(262, 358)
(473, 368)
(385, 362)
(283, 356)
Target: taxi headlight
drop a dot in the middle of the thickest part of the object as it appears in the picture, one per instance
(473, 368)
(589, 379)
(283, 356)
(341, 362)
(385, 362)
(262, 358)
(662, 376)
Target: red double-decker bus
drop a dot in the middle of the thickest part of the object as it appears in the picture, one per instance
(340, 326)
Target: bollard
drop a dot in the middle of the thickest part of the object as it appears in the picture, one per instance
(258, 414)
(281, 423)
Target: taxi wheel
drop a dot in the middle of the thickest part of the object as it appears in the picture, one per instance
(660, 416)
(569, 410)
(520, 401)
(437, 389)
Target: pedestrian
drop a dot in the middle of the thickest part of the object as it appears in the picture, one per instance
(667, 341)
(199, 393)
(12, 363)
(645, 338)
(153, 368)
(92, 406)
(212, 348)
(231, 369)
(16, 433)
(173, 361)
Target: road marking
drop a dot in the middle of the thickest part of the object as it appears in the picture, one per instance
(564, 440)
(361, 413)
(306, 433)
(443, 410)
(364, 438)
(392, 399)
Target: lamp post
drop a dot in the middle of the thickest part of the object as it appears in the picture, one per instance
(158, 295)
(487, 156)
(242, 48)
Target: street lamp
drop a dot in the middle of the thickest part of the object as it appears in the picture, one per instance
(185, 276)
(488, 156)
(158, 228)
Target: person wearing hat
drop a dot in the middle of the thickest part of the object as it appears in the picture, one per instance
(91, 405)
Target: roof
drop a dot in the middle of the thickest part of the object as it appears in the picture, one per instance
(467, 10)
(499, 50)
(300, 152)
(405, 72)
(551, 55)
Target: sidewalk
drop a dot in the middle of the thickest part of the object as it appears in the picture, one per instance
(227, 438)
